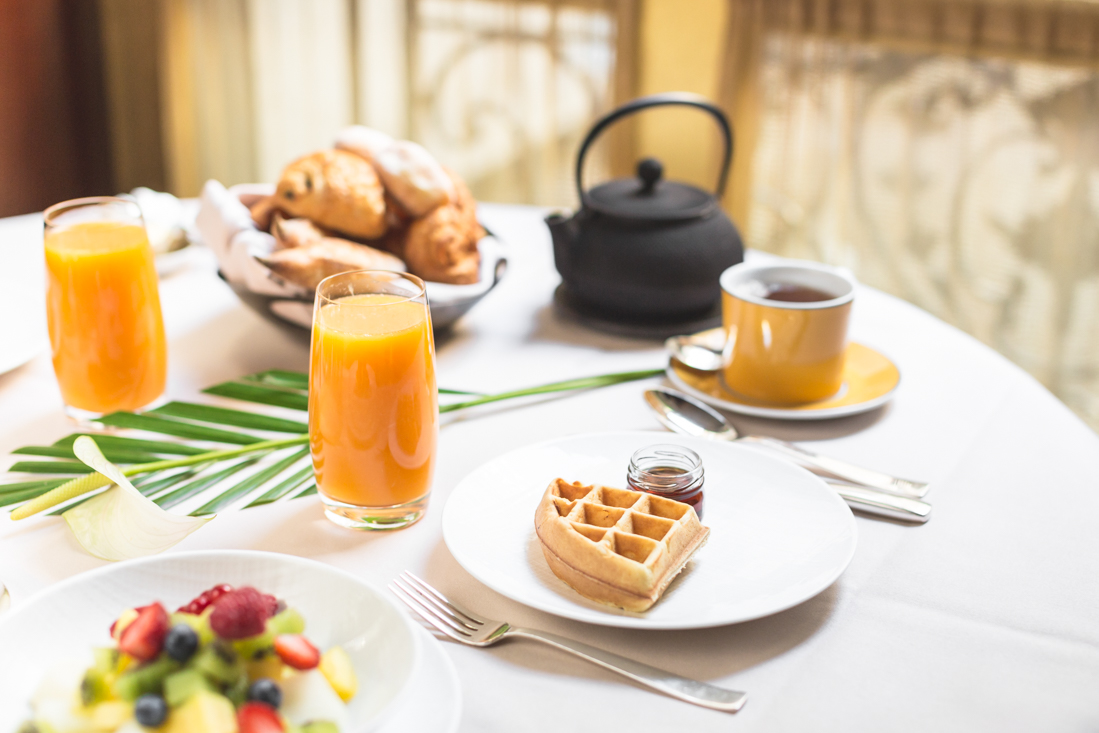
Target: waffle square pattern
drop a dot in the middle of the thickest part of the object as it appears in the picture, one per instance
(616, 546)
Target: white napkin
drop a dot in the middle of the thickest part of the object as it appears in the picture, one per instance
(227, 228)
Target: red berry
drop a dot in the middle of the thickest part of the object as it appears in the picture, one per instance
(114, 624)
(144, 637)
(239, 614)
(204, 599)
(272, 604)
(296, 651)
(255, 717)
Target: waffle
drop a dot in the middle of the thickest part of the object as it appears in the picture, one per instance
(616, 546)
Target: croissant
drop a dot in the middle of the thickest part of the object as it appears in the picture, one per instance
(336, 190)
(308, 264)
(290, 233)
(409, 173)
(442, 246)
(262, 210)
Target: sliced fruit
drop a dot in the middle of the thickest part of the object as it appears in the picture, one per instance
(95, 687)
(110, 715)
(320, 726)
(219, 662)
(181, 686)
(240, 613)
(307, 696)
(255, 647)
(106, 659)
(204, 712)
(145, 679)
(337, 669)
(199, 622)
(237, 690)
(255, 717)
(125, 619)
(143, 638)
(205, 599)
(287, 622)
(268, 666)
(296, 651)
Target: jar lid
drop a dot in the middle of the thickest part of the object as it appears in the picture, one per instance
(649, 197)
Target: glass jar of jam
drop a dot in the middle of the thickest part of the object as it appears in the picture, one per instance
(667, 470)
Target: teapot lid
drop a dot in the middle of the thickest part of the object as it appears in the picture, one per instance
(649, 197)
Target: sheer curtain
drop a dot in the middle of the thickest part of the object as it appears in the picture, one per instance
(948, 152)
(500, 90)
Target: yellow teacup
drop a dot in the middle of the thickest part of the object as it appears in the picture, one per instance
(786, 330)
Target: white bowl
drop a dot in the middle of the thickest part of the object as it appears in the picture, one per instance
(68, 619)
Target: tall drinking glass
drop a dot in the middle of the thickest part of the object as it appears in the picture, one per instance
(373, 404)
(103, 307)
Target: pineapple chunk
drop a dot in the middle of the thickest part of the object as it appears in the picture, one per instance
(110, 715)
(337, 669)
(269, 666)
(204, 712)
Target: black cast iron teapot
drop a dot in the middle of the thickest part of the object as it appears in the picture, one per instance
(645, 249)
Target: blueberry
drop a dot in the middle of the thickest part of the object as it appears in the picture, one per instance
(181, 642)
(266, 691)
(150, 710)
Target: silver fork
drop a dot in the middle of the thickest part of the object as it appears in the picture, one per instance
(469, 628)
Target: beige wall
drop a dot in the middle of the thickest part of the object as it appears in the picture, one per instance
(681, 48)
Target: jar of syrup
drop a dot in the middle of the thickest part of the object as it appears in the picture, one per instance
(667, 470)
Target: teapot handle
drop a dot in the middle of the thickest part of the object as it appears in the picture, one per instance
(660, 100)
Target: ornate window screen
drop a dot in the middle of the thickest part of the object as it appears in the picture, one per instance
(947, 151)
(503, 90)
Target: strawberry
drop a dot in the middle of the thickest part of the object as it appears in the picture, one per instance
(255, 717)
(296, 651)
(143, 638)
(125, 619)
(240, 613)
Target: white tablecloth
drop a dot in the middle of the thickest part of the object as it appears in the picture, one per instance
(986, 618)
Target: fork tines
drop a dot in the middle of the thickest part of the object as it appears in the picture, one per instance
(433, 607)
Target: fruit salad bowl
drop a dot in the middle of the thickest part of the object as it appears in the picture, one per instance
(47, 637)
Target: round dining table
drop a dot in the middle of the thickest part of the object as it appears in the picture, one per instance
(986, 618)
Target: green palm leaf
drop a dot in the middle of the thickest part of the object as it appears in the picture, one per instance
(225, 416)
(154, 424)
(204, 447)
(110, 442)
(196, 487)
(262, 394)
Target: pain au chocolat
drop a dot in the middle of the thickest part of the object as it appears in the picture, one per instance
(616, 546)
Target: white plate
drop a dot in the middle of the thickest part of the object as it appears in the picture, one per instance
(778, 534)
(436, 681)
(68, 619)
(23, 334)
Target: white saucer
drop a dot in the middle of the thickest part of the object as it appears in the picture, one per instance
(778, 534)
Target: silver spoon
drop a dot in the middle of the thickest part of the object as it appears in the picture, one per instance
(695, 352)
(683, 414)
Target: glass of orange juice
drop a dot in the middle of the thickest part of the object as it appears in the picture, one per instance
(373, 405)
(103, 307)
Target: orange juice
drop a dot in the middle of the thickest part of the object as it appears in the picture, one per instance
(373, 406)
(105, 325)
